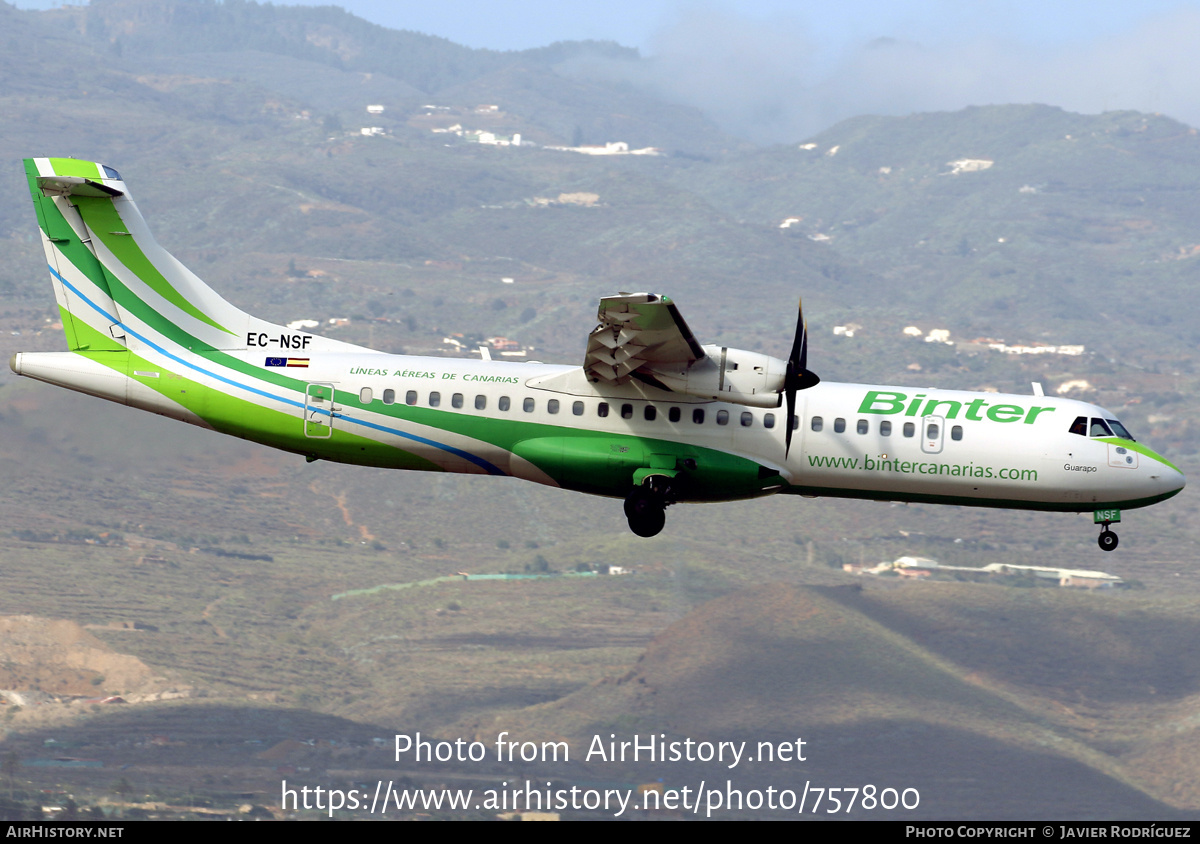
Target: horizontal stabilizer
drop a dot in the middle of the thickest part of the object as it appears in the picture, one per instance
(75, 186)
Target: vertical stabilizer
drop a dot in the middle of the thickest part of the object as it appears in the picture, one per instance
(114, 284)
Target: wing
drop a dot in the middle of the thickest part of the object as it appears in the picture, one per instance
(638, 333)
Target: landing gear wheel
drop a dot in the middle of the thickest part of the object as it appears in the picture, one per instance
(638, 501)
(649, 523)
(645, 510)
(1107, 540)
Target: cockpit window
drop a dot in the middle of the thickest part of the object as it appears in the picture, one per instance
(1119, 430)
(1099, 428)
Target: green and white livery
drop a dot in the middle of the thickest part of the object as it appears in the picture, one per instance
(652, 416)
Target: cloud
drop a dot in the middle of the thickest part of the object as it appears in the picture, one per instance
(766, 80)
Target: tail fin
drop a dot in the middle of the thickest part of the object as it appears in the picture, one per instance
(116, 287)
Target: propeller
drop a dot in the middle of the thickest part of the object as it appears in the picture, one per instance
(797, 376)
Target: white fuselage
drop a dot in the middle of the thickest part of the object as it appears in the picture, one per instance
(890, 443)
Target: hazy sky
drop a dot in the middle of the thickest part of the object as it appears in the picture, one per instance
(642, 24)
(777, 71)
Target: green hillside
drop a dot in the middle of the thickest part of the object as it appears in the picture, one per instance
(1071, 215)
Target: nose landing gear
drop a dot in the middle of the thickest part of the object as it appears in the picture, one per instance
(1107, 539)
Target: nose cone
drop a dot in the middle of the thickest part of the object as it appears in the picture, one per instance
(1174, 479)
(1165, 479)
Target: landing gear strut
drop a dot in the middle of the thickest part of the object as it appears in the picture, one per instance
(645, 507)
(1107, 540)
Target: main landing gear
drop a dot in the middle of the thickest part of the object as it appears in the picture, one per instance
(1107, 540)
(645, 506)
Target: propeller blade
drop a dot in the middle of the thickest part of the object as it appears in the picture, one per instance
(799, 353)
(797, 377)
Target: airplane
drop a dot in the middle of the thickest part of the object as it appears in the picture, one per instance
(652, 416)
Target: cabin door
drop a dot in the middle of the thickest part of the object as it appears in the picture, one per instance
(319, 411)
(933, 434)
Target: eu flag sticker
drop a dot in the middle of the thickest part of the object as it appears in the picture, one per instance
(276, 361)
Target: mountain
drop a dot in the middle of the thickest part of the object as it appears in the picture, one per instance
(319, 55)
(324, 35)
(1001, 215)
(239, 128)
(984, 701)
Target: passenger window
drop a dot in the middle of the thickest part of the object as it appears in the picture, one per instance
(1099, 428)
(552, 406)
(410, 397)
(528, 405)
(885, 428)
(768, 420)
(626, 411)
(365, 395)
(481, 403)
(577, 408)
(956, 432)
(389, 396)
(863, 426)
(456, 400)
(1079, 426)
(910, 429)
(602, 409)
(817, 423)
(673, 414)
(698, 416)
(932, 431)
(795, 422)
(747, 419)
(722, 417)
(435, 399)
(650, 412)
(839, 425)
(505, 403)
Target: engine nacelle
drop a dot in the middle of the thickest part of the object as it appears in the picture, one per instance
(732, 375)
